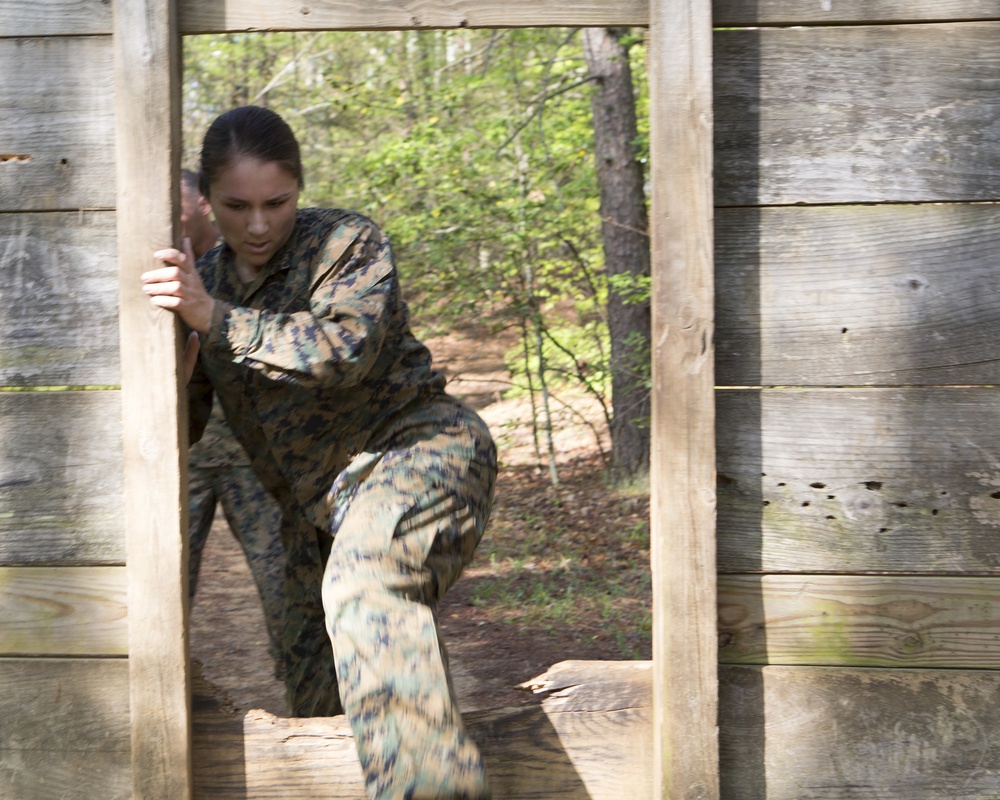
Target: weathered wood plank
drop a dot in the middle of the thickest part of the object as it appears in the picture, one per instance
(147, 70)
(864, 114)
(63, 611)
(61, 478)
(590, 739)
(828, 734)
(861, 621)
(58, 281)
(57, 140)
(54, 17)
(64, 729)
(218, 16)
(682, 463)
(78, 17)
(813, 733)
(875, 480)
(795, 12)
(858, 295)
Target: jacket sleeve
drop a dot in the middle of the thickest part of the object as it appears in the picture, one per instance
(337, 340)
(199, 392)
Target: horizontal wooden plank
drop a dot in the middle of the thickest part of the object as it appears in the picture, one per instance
(857, 295)
(64, 729)
(218, 16)
(795, 12)
(875, 480)
(589, 739)
(786, 733)
(57, 143)
(861, 621)
(54, 17)
(78, 17)
(814, 733)
(63, 611)
(59, 281)
(61, 478)
(857, 114)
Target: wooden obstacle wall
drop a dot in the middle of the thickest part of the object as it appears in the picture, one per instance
(857, 173)
(64, 691)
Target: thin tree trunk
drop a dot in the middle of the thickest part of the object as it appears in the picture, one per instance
(624, 228)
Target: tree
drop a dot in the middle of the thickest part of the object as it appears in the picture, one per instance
(624, 228)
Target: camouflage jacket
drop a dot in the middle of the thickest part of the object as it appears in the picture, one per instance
(217, 449)
(313, 361)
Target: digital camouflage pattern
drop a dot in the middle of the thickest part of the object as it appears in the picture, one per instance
(219, 473)
(385, 483)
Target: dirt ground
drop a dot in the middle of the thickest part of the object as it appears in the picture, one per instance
(489, 655)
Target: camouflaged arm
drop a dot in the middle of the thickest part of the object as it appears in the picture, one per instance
(338, 339)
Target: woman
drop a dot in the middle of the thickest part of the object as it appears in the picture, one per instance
(385, 482)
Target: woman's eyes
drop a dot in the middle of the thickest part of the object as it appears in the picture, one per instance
(270, 204)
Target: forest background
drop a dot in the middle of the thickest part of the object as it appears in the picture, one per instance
(507, 167)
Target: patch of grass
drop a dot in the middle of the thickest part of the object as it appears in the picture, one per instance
(574, 559)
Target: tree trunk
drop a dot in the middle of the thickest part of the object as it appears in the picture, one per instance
(624, 228)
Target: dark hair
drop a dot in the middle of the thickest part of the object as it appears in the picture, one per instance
(248, 131)
(189, 180)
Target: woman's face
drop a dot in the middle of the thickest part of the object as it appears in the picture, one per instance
(254, 203)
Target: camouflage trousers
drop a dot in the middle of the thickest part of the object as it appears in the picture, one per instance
(254, 517)
(407, 517)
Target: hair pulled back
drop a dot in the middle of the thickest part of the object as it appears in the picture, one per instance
(248, 131)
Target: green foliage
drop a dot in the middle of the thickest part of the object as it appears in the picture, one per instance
(631, 288)
(473, 149)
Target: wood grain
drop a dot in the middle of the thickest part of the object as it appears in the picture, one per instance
(794, 12)
(59, 280)
(218, 16)
(64, 729)
(154, 417)
(814, 733)
(78, 17)
(875, 480)
(54, 17)
(57, 145)
(786, 733)
(63, 611)
(861, 621)
(858, 295)
(61, 478)
(682, 474)
(895, 113)
(589, 739)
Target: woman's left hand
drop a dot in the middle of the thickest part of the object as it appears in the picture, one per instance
(178, 287)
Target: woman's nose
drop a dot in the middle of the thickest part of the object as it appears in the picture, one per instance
(257, 223)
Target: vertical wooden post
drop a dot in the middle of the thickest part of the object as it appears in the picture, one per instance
(685, 649)
(147, 110)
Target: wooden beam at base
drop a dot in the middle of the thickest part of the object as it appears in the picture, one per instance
(837, 734)
(589, 739)
(682, 478)
(147, 114)
(219, 16)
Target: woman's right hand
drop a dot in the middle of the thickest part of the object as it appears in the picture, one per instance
(178, 287)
